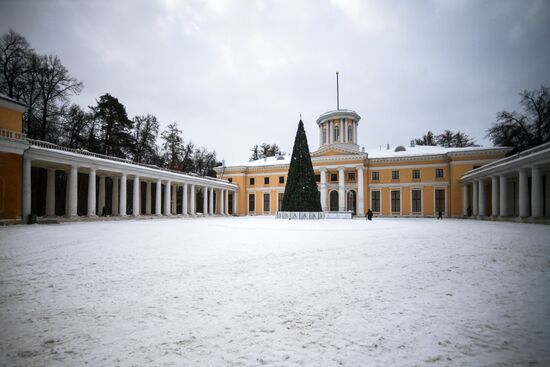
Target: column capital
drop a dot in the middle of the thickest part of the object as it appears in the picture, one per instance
(360, 168)
(341, 168)
(322, 169)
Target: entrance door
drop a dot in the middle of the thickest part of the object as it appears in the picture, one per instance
(351, 201)
(334, 201)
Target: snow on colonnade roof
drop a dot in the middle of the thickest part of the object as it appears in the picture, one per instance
(376, 153)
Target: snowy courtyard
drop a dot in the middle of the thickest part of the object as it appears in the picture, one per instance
(252, 291)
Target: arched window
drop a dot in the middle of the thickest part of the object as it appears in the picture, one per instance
(336, 133)
(350, 133)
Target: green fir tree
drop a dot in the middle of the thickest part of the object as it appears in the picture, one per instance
(301, 193)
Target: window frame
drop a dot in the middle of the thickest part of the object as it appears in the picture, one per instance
(268, 201)
(439, 173)
(416, 174)
(266, 180)
(252, 203)
(417, 200)
(375, 176)
(393, 200)
(352, 177)
(281, 179)
(251, 181)
(376, 201)
(395, 175)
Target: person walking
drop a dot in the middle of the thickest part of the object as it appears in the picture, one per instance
(440, 215)
(369, 214)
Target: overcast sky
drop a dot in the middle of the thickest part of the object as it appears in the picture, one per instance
(237, 73)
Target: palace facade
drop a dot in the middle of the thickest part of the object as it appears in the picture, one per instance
(47, 182)
(412, 181)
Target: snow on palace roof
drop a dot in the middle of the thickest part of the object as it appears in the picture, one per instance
(376, 153)
(338, 114)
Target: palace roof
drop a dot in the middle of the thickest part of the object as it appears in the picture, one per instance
(377, 153)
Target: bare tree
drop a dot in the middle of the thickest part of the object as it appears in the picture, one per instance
(524, 130)
(14, 55)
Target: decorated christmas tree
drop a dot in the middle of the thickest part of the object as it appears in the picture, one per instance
(301, 193)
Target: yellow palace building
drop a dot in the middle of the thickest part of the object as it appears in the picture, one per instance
(402, 181)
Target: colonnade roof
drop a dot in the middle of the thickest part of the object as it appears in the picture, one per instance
(48, 152)
(539, 155)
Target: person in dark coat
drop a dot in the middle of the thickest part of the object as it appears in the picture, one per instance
(440, 215)
(369, 214)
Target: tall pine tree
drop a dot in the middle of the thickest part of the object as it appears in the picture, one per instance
(301, 193)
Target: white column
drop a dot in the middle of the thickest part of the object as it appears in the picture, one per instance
(184, 200)
(503, 194)
(91, 193)
(495, 199)
(211, 202)
(475, 198)
(330, 132)
(481, 193)
(101, 195)
(464, 199)
(341, 189)
(158, 198)
(136, 199)
(73, 191)
(148, 198)
(235, 202)
(174, 198)
(341, 131)
(204, 200)
(537, 195)
(114, 201)
(323, 188)
(26, 190)
(360, 193)
(222, 199)
(167, 199)
(226, 205)
(122, 205)
(523, 193)
(320, 135)
(50, 193)
(327, 133)
(192, 200)
(355, 132)
(345, 130)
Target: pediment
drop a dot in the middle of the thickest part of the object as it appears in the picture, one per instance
(335, 151)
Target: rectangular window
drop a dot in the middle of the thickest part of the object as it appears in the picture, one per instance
(439, 201)
(251, 202)
(266, 180)
(334, 177)
(351, 176)
(230, 179)
(396, 201)
(439, 173)
(416, 201)
(281, 179)
(252, 181)
(267, 204)
(281, 197)
(376, 201)
(376, 176)
(317, 178)
(416, 174)
(395, 175)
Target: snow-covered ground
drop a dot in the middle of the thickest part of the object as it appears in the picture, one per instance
(252, 291)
